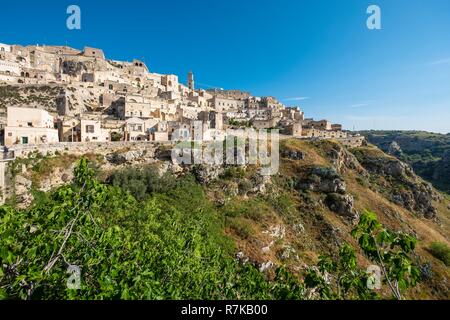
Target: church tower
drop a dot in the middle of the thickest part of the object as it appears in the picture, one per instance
(191, 84)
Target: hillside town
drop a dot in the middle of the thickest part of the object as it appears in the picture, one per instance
(51, 94)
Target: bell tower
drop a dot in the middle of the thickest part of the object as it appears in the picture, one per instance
(191, 83)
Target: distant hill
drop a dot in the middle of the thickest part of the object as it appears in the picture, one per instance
(428, 153)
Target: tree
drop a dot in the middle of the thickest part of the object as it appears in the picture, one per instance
(341, 278)
(390, 250)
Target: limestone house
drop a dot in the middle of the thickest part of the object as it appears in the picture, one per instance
(29, 126)
(293, 129)
(5, 47)
(159, 132)
(135, 130)
(9, 67)
(317, 133)
(225, 104)
(92, 131)
(93, 53)
(170, 82)
(69, 129)
(136, 106)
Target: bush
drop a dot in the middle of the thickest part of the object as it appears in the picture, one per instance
(440, 251)
(141, 183)
(233, 173)
(116, 136)
(244, 187)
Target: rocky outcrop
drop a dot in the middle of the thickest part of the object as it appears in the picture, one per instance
(394, 149)
(342, 204)
(322, 179)
(125, 157)
(389, 166)
(417, 198)
(344, 160)
(402, 186)
(293, 154)
(206, 173)
(22, 191)
(74, 68)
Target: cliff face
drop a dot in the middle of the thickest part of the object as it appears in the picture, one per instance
(306, 210)
(428, 153)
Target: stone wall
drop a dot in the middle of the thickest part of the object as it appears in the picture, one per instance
(79, 148)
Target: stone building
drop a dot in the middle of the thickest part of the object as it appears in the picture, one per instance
(96, 97)
(191, 83)
(29, 126)
(92, 131)
(93, 53)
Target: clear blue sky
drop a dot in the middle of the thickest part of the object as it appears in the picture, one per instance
(317, 54)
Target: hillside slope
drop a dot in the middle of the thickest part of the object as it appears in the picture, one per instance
(428, 153)
(308, 209)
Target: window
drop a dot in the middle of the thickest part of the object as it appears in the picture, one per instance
(89, 129)
(30, 124)
(9, 134)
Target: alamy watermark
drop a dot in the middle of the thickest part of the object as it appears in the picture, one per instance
(230, 147)
(74, 280)
(374, 20)
(374, 277)
(73, 22)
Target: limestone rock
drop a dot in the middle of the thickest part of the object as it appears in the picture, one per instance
(293, 155)
(206, 173)
(266, 266)
(343, 160)
(395, 149)
(322, 179)
(342, 205)
(277, 231)
(126, 157)
(22, 190)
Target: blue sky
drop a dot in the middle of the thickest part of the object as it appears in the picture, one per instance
(317, 54)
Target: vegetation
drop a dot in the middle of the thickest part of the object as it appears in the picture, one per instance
(424, 151)
(169, 246)
(440, 251)
(237, 123)
(167, 242)
(390, 251)
(116, 136)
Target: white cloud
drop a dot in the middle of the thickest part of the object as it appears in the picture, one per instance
(296, 99)
(361, 104)
(440, 62)
(358, 105)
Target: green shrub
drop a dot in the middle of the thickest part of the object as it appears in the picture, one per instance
(116, 136)
(440, 251)
(244, 186)
(240, 226)
(141, 183)
(233, 173)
